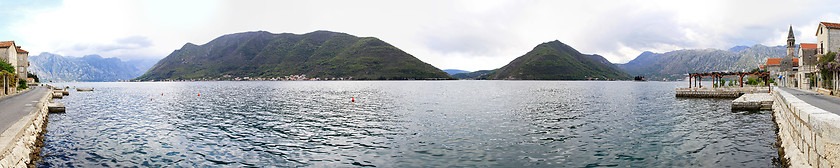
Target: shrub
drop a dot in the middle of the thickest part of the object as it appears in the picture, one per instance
(22, 84)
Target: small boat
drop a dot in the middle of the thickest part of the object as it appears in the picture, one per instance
(639, 79)
(82, 90)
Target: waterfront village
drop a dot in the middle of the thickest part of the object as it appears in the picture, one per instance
(808, 130)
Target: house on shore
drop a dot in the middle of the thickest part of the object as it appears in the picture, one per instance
(14, 55)
(19, 59)
(806, 74)
(828, 37)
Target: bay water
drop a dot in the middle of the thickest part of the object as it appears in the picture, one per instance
(402, 124)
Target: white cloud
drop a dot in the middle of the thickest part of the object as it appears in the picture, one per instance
(468, 34)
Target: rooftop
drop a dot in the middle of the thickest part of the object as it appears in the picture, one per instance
(831, 25)
(773, 61)
(808, 45)
(4, 44)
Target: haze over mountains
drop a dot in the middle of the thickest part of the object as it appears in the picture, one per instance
(676, 64)
(325, 54)
(93, 68)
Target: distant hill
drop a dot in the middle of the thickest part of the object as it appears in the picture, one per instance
(94, 68)
(482, 74)
(557, 61)
(320, 54)
(454, 71)
(738, 48)
(676, 64)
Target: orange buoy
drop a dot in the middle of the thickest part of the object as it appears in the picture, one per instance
(151, 99)
(352, 99)
(161, 94)
(199, 94)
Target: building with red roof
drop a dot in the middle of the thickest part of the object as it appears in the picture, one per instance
(13, 54)
(828, 37)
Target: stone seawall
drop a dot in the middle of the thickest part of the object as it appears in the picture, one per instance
(809, 136)
(18, 144)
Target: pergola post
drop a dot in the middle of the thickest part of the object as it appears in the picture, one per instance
(689, 80)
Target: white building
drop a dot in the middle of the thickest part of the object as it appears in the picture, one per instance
(828, 37)
(806, 74)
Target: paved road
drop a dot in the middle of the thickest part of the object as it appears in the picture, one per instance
(827, 103)
(13, 108)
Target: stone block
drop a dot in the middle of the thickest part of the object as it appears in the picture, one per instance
(819, 145)
(807, 136)
(832, 153)
(812, 157)
(6, 161)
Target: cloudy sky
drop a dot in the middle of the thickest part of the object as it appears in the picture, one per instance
(469, 34)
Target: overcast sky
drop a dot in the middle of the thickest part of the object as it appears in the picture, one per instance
(470, 35)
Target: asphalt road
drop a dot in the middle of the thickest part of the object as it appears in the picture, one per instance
(13, 108)
(827, 103)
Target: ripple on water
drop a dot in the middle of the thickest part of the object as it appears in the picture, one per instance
(402, 124)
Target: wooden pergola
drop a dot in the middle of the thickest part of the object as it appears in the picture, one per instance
(716, 76)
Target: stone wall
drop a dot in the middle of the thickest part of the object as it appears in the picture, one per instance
(809, 136)
(18, 142)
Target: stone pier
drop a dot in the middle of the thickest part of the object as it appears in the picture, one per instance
(753, 101)
(720, 92)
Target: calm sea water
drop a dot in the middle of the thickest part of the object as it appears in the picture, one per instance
(403, 124)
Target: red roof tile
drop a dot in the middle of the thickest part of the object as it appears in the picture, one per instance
(773, 61)
(21, 50)
(808, 45)
(831, 25)
(6, 43)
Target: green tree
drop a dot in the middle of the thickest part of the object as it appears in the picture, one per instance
(7, 67)
(33, 76)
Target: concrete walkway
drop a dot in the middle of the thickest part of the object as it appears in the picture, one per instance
(15, 107)
(827, 103)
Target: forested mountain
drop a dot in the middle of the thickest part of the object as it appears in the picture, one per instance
(319, 54)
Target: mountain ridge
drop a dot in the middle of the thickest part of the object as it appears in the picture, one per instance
(555, 60)
(93, 68)
(321, 54)
(676, 64)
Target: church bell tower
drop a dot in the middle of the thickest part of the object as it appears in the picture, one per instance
(791, 43)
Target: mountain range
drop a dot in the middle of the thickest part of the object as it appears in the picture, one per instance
(319, 54)
(676, 64)
(93, 68)
(557, 61)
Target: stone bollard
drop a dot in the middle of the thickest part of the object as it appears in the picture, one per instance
(57, 95)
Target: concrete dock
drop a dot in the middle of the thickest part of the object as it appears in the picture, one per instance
(753, 101)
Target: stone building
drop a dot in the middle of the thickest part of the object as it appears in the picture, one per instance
(828, 37)
(14, 55)
(787, 66)
(807, 65)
